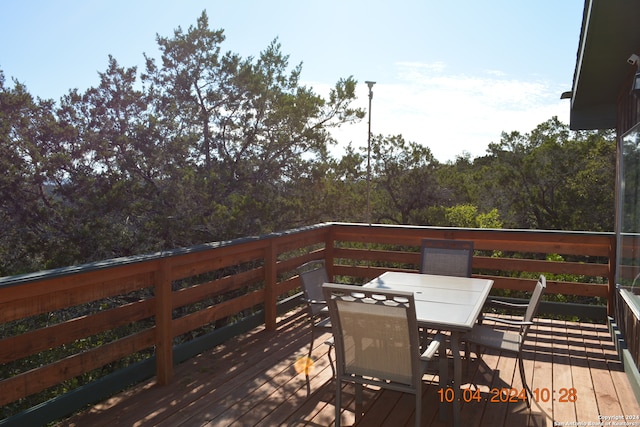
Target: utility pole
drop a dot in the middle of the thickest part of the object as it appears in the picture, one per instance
(370, 84)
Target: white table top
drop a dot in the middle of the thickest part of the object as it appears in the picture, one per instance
(442, 302)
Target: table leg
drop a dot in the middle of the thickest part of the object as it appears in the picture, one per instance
(457, 377)
(443, 373)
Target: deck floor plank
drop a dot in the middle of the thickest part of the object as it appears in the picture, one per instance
(564, 408)
(481, 377)
(626, 399)
(252, 380)
(586, 405)
(605, 390)
(517, 412)
(543, 372)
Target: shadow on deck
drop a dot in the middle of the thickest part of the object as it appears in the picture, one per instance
(252, 380)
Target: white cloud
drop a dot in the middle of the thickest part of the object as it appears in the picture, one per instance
(453, 113)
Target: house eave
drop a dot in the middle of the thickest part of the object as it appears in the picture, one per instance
(608, 37)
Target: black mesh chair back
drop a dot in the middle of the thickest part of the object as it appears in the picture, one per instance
(446, 257)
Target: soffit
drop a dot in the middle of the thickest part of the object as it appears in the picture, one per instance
(610, 34)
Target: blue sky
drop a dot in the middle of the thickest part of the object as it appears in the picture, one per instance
(451, 75)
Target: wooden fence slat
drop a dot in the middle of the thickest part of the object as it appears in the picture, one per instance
(217, 287)
(139, 274)
(210, 314)
(216, 261)
(18, 306)
(32, 342)
(36, 380)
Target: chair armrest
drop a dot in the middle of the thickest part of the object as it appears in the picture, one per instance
(508, 321)
(314, 301)
(324, 323)
(433, 347)
(508, 304)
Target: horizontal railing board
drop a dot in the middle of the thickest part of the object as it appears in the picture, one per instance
(479, 262)
(20, 346)
(222, 259)
(486, 239)
(89, 394)
(36, 380)
(569, 248)
(212, 313)
(596, 313)
(215, 288)
(291, 264)
(287, 286)
(109, 269)
(553, 287)
(148, 259)
(377, 255)
(556, 267)
(17, 306)
(317, 237)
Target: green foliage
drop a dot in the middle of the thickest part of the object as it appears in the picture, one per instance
(550, 179)
(467, 216)
(403, 179)
(204, 145)
(200, 146)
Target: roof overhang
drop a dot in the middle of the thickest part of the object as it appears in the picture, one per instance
(610, 34)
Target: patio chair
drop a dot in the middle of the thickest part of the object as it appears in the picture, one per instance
(508, 341)
(446, 257)
(376, 342)
(313, 274)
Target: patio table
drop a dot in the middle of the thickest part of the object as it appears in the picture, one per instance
(445, 303)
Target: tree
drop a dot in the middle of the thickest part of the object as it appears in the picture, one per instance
(404, 179)
(468, 216)
(537, 180)
(328, 190)
(29, 213)
(251, 125)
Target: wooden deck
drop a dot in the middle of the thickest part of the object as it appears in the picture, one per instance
(252, 380)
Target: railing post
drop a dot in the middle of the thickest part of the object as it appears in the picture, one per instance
(328, 251)
(164, 335)
(611, 279)
(270, 279)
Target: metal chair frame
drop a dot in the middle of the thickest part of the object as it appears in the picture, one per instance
(313, 275)
(377, 342)
(507, 341)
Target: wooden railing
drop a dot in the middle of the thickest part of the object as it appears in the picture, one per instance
(68, 323)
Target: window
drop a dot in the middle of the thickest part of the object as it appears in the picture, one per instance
(628, 268)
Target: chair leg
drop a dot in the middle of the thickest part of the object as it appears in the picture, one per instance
(307, 362)
(443, 380)
(338, 401)
(467, 357)
(359, 409)
(443, 367)
(524, 380)
(313, 337)
(477, 349)
(419, 405)
(333, 369)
